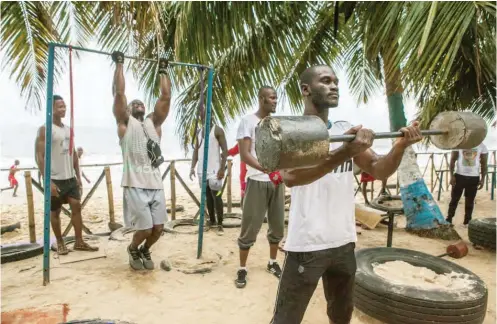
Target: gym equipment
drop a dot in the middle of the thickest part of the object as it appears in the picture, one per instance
(48, 144)
(456, 251)
(284, 142)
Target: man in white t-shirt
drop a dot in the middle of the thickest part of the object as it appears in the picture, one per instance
(321, 228)
(263, 194)
(467, 178)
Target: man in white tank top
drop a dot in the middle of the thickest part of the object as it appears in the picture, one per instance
(216, 162)
(65, 177)
(321, 228)
(144, 204)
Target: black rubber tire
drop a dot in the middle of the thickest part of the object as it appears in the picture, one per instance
(482, 231)
(10, 227)
(169, 226)
(118, 234)
(386, 302)
(377, 203)
(179, 208)
(20, 251)
(71, 239)
(232, 216)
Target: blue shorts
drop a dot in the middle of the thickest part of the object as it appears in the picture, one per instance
(144, 208)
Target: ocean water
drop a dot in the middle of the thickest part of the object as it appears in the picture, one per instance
(101, 146)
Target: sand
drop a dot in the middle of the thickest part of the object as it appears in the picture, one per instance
(406, 274)
(107, 288)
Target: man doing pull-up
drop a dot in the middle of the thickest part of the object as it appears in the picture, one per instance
(144, 205)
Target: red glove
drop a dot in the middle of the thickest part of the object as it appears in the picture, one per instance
(276, 178)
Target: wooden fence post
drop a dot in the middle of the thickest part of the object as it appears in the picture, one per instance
(31, 209)
(230, 165)
(173, 190)
(110, 194)
(432, 170)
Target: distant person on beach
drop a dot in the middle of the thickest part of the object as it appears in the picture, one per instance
(321, 232)
(12, 178)
(80, 154)
(263, 193)
(216, 164)
(144, 205)
(365, 179)
(467, 178)
(243, 172)
(65, 187)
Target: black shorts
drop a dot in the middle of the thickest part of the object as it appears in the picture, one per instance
(67, 188)
(300, 277)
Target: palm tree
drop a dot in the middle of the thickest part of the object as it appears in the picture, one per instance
(441, 53)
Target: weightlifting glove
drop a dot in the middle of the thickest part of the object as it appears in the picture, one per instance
(163, 63)
(276, 178)
(117, 57)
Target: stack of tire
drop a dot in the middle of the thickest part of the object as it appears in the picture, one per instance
(395, 304)
(482, 231)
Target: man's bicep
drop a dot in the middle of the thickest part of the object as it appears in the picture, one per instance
(365, 160)
(244, 145)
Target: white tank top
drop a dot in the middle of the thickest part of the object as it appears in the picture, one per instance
(62, 167)
(322, 213)
(214, 153)
(137, 168)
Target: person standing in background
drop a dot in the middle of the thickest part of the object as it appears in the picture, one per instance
(12, 178)
(467, 178)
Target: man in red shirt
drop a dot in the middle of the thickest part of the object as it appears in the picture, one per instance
(12, 178)
(243, 170)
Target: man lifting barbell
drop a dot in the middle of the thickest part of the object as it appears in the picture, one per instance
(321, 228)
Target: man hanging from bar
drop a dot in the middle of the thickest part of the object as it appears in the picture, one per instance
(144, 205)
(216, 162)
(321, 227)
(65, 177)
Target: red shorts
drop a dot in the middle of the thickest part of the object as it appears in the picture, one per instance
(13, 181)
(366, 177)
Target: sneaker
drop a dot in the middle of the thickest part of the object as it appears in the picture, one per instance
(135, 261)
(145, 256)
(241, 280)
(220, 230)
(274, 269)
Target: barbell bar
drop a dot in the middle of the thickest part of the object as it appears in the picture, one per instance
(285, 142)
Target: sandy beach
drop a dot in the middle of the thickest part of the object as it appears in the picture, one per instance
(107, 288)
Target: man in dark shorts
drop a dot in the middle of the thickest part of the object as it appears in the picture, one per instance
(65, 177)
(321, 229)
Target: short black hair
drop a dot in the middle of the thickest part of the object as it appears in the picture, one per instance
(309, 73)
(263, 88)
(57, 97)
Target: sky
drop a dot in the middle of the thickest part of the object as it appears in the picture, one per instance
(92, 77)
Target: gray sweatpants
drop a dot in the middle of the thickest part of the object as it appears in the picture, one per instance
(144, 208)
(262, 197)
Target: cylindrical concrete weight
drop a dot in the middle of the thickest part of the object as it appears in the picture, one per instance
(286, 142)
(465, 130)
(458, 250)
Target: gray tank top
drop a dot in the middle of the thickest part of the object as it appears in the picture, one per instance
(62, 162)
(137, 169)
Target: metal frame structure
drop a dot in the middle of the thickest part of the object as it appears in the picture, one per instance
(48, 147)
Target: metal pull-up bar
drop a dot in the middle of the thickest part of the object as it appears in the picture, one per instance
(48, 147)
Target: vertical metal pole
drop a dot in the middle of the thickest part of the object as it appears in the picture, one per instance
(48, 160)
(204, 167)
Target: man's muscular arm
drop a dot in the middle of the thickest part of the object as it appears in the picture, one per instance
(304, 176)
(383, 167)
(221, 138)
(40, 150)
(245, 155)
(163, 104)
(120, 110)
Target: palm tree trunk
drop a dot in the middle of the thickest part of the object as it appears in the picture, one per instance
(422, 212)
